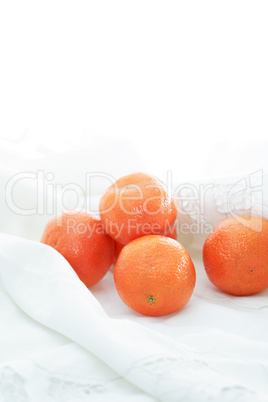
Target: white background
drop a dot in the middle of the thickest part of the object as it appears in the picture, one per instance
(114, 87)
(185, 83)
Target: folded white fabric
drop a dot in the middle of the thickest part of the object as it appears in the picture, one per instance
(194, 363)
(60, 341)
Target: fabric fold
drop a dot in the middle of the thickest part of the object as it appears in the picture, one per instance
(43, 285)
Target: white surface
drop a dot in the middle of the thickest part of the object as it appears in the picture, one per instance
(62, 342)
(208, 350)
(186, 84)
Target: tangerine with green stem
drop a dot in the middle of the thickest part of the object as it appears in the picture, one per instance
(154, 275)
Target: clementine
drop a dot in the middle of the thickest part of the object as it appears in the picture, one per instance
(154, 275)
(137, 205)
(235, 255)
(118, 246)
(81, 239)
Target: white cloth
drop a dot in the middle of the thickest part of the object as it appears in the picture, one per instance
(62, 342)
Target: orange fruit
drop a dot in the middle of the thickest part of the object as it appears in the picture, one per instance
(137, 205)
(81, 239)
(154, 275)
(118, 246)
(235, 255)
(172, 234)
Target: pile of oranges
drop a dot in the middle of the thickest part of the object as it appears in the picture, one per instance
(153, 273)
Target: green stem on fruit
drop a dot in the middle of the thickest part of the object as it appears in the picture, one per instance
(151, 299)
